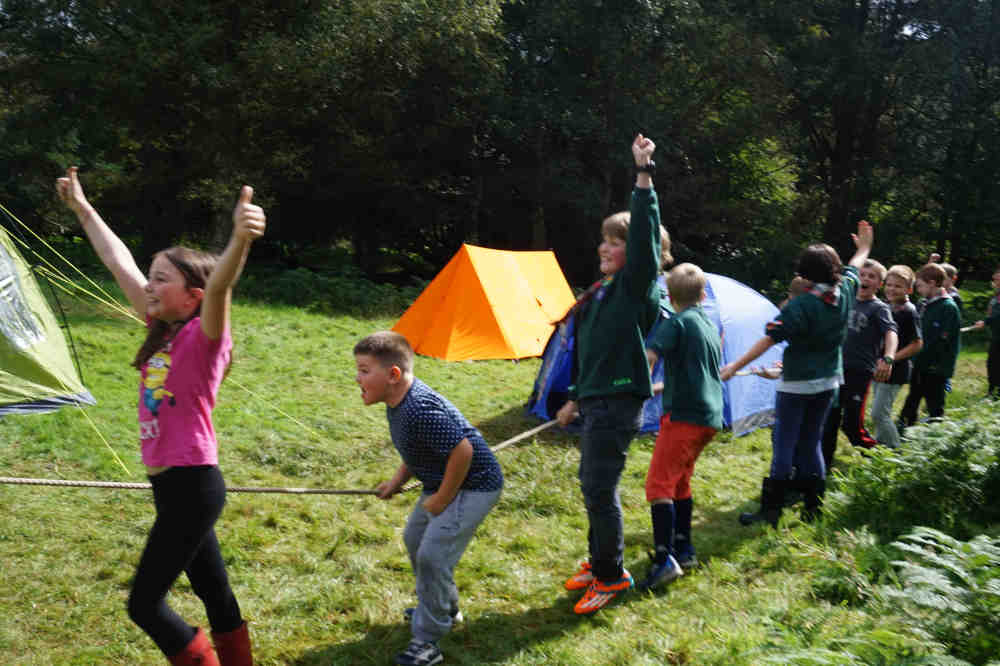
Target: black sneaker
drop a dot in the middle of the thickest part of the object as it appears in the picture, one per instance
(456, 615)
(418, 653)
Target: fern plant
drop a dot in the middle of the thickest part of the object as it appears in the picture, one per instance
(951, 588)
(946, 475)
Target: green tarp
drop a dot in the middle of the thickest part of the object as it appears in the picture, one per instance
(36, 370)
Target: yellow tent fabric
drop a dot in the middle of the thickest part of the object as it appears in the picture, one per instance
(488, 304)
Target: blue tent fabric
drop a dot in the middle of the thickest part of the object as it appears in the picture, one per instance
(551, 388)
(740, 314)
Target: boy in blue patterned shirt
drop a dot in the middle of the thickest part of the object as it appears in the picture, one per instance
(462, 482)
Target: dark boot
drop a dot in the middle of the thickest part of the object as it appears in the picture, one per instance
(234, 647)
(664, 567)
(812, 503)
(198, 652)
(683, 548)
(772, 499)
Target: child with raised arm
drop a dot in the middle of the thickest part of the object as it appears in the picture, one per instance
(461, 481)
(689, 345)
(868, 352)
(933, 366)
(898, 287)
(611, 378)
(815, 325)
(185, 302)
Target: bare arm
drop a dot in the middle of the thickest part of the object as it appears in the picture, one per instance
(113, 253)
(889, 344)
(387, 489)
(459, 462)
(652, 357)
(758, 348)
(248, 225)
(910, 350)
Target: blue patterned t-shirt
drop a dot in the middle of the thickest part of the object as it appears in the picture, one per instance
(425, 427)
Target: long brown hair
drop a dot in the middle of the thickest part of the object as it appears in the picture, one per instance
(195, 266)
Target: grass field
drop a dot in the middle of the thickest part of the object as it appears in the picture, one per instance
(325, 579)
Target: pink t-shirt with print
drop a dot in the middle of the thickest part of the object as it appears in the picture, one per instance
(177, 395)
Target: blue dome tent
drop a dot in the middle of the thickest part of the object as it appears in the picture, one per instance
(740, 314)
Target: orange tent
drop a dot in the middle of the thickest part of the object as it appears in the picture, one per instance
(488, 304)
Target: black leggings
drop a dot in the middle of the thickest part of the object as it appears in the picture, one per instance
(188, 502)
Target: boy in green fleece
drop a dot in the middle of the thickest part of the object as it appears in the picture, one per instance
(611, 377)
(941, 324)
(691, 349)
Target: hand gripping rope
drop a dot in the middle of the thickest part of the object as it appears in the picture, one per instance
(248, 489)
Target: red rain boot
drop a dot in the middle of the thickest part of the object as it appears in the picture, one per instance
(198, 652)
(234, 646)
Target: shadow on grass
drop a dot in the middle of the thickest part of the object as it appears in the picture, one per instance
(516, 420)
(716, 533)
(494, 637)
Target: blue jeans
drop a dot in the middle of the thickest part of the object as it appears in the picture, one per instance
(882, 398)
(609, 424)
(797, 435)
(435, 544)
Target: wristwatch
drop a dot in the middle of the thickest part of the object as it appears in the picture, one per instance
(888, 359)
(649, 168)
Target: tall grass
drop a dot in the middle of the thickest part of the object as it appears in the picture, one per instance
(324, 579)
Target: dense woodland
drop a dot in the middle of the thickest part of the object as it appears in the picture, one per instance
(398, 129)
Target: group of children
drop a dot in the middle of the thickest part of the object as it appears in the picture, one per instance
(840, 337)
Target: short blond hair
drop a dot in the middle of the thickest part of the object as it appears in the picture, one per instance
(904, 273)
(686, 283)
(388, 348)
(950, 271)
(616, 226)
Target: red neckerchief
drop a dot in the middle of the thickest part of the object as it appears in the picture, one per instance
(596, 289)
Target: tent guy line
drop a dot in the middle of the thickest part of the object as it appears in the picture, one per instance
(119, 485)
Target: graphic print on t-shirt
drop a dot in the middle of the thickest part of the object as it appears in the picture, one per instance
(154, 388)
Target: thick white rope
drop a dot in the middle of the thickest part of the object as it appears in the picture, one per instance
(118, 485)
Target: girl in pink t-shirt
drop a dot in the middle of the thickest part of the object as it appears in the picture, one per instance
(185, 302)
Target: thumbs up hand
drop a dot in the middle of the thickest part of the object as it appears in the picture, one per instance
(249, 220)
(71, 192)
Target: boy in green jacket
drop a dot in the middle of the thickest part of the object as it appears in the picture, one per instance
(691, 349)
(612, 378)
(941, 324)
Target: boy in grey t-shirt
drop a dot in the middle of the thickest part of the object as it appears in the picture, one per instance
(869, 351)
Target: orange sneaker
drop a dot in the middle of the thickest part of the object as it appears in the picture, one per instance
(582, 579)
(600, 594)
